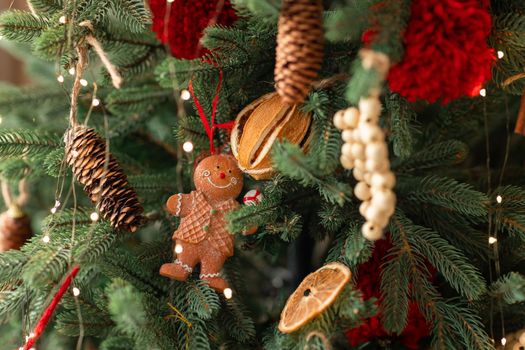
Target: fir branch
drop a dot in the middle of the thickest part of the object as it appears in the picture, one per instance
(268, 10)
(291, 162)
(129, 100)
(444, 192)
(509, 288)
(21, 26)
(339, 28)
(436, 155)
(132, 13)
(395, 291)
(447, 259)
(402, 129)
(201, 299)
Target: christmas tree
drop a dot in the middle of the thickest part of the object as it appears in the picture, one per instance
(363, 158)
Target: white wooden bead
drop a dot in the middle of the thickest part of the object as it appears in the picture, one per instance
(372, 231)
(356, 134)
(346, 150)
(359, 164)
(346, 162)
(376, 151)
(362, 191)
(514, 345)
(339, 120)
(358, 150)
(358, 174)
(370, 133)
(347, 135)
(521, 337)
(369, 107)
(390, 211)
(351, 117)
(384, 200)
(369, 119)
(386, 180)
(377, 166)
(375, 215)
(364, 207)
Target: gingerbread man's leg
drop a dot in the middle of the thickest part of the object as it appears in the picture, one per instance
(184, 263)
(211, 265)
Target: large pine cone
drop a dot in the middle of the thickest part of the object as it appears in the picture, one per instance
(104, 181)
(15, 229)
(299, 48)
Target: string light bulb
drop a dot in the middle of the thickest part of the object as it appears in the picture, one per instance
(178, 249)
(72, 71)
(60, 78)
(503, 341)
(185, 95)
(228, 293)
(83, 82)
(53, 210)
(483, 92)
(187, 146)
(46, 239)
(170, 1)
(76, 291)
(499, 199)
(62, 20)
(492, 240)
(95, 102)
(94, 216)
(501, 54)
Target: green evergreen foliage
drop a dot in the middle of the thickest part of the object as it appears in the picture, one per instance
(448, 202)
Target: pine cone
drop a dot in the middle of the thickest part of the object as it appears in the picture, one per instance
(299, 48)
(15, 229)
(106, 186)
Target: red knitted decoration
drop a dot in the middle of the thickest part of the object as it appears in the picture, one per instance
(369, 281)
(186, 23)
(446, 51)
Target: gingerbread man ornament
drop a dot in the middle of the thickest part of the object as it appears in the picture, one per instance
(202, 236)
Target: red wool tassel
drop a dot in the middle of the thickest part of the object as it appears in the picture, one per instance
(183, 27)
(46, 316)
(446, 51)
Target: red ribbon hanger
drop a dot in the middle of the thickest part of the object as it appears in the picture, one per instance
(210, 129)
(48, 312)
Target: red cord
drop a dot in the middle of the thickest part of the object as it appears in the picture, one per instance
(46, 316)
(210, 129)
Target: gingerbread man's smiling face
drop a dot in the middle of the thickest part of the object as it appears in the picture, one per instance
(218, 177)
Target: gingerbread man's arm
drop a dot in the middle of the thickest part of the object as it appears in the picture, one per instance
(180, 204)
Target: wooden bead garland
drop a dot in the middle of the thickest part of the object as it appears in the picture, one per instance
(366, 152)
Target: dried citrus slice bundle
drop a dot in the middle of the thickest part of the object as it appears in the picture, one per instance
(314, 295)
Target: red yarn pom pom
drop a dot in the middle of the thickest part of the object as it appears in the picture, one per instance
(446, 53)
(186, 22)
(369, 282)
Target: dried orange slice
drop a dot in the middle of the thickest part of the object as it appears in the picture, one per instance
(315, 293)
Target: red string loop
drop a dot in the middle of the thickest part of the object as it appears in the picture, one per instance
(48, 312)
(210, 129)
